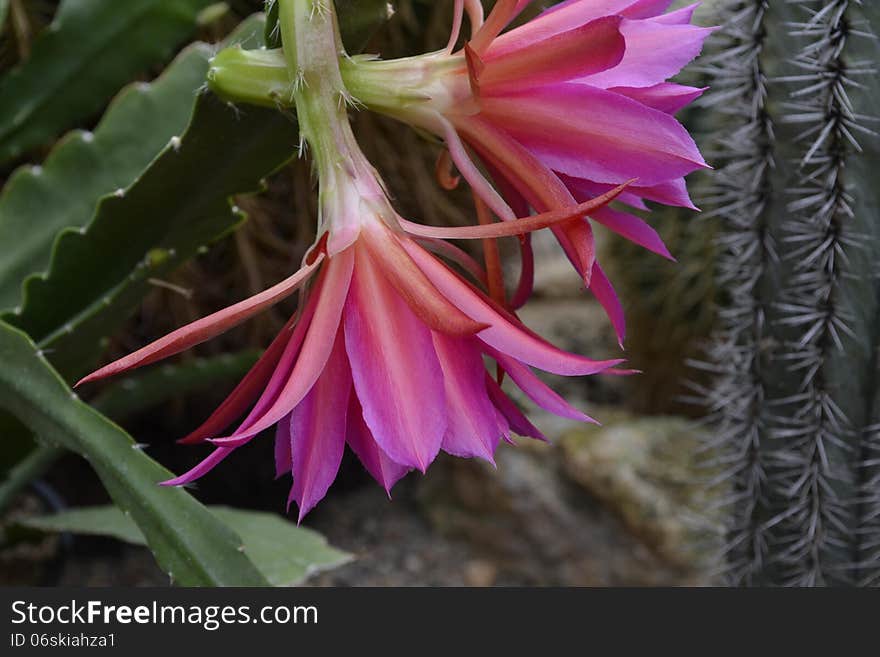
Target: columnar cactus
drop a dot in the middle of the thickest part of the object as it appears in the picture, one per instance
(795, 357)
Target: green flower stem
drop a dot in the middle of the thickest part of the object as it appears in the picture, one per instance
(312, 49)
(255, 77)
(400, 88)
(346, 179)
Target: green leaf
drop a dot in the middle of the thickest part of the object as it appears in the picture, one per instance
(91, 48)
(284, 553)
(189, 543)
(359, 20)
(38, 202)
(99, 275)
(94, 521)
(133, 394)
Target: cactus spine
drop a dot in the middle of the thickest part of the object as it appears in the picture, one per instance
(794, 360)
(741, 199)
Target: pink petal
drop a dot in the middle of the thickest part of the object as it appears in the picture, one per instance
(457, 20)
(397, 376)
(283, 433)
(632, 228)
(201, 469)
(569, 15)
(318, 425)
(284, 367)
(527, 274)
(509, 191)
(313, 355)
(632, 9)
(655, 52)
(420, 295)
(665, 97)
(475, 178)
(540, 186)
(681, 16)
(362, 443)
(473, 426)
(245, 392)
(527, 257)
(596, 134)
(456, 255)
(207, 327)
(500, 17)
(518, 421)
(672, 192)
(601, 288)
(506, 333)
(515, 227)
(585, 50)
(538, 391)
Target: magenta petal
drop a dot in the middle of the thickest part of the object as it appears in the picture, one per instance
(397, 376)
(632, 228)
(596, 134)
(505, 333)
(520, 207)
(473, 426)
(285, 364)
(283, 437)
(681, 16)
(206, 327)
(515, 417)
(456, 255)
(665, 97)
(563, 216)
(526, 276)
(422, 298)
(318, 426)
(655, 52)
(202, 468)
(314, 353)
(362, 443)
(500, 17)
(292, 343)
(538, 391)
(569, 15)
(245, 392)
(509, 191)
(585, 50)
(536, 184)
(671, 192)
(601, 288)
(628, 8)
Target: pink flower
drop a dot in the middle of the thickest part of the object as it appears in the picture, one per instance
(559, 110)
(385, 353)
